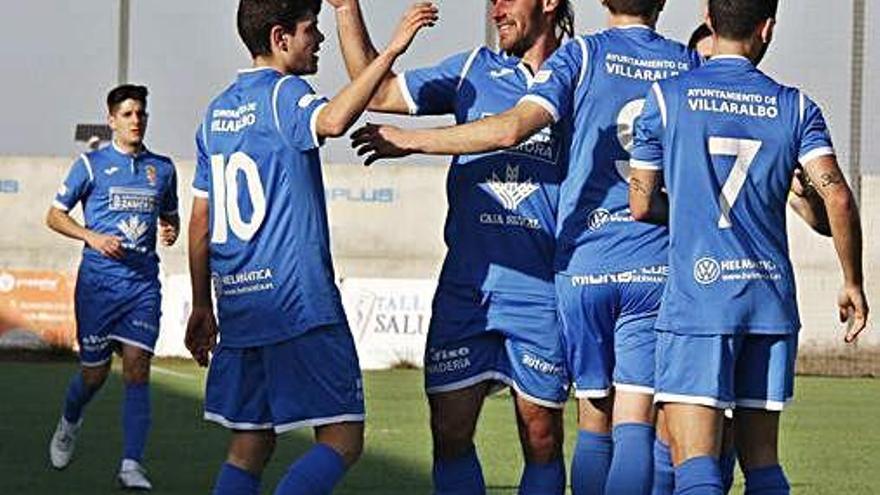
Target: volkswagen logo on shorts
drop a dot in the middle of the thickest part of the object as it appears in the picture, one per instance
(598, 218)
(706, 271)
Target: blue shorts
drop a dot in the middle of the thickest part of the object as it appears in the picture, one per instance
(724, 371)
(112, 309)
(310, 380)
(608, 329)
(509, 338)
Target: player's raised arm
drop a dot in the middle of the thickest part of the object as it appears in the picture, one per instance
(358, 50)
(846, 229)
(492, 133)
(342, 111)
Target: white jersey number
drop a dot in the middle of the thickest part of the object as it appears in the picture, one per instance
(626, 120)
(227, 214)
(745, 151)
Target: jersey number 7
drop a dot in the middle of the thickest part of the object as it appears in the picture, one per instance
(745, 151)
(227, 214)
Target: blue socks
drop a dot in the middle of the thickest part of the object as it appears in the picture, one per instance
(632, 465)
(543, 479)
(698, 476)
(78, 395)
(135, 420)
(234, 480)
(315, 473)
(461, 476)
(766, 481)
(664, 473)
(727, 463)
(589, 467)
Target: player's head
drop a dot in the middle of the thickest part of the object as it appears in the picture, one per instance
(702, 41)
(647, 10)
(127, 113)
(749, 22)
(521, 22)
(284, 32)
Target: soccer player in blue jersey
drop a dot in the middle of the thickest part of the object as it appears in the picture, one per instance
(128, 194)
(610, 269)
(286, 358)
(494, 315)
(726, 139)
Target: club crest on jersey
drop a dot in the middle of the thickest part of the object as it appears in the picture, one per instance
(707, 270)
(150, 172)
(510, 192)
(133, 228)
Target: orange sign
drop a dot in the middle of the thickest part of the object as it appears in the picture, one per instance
(39, 301)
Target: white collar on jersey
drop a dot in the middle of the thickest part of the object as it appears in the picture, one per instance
(251, 70)
(633, 26)
(729, 57)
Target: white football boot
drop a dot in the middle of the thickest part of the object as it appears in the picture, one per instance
(63, 443)
(133, 476)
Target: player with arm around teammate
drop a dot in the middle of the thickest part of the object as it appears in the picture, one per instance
(725, 139)
(286, 359)
(128, 194)
(610, 269)
(494, 314)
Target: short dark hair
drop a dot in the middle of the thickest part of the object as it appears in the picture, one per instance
(737, 19)
(641, 8)
(564, 19)
(126, 92)
(256, 18)
(702, 32)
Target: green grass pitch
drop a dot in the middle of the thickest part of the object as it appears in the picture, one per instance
(830, 439)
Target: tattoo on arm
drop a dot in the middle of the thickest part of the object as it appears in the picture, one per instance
(639, 187)
(829, 179)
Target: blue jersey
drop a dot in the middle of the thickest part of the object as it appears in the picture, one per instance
(728, 138)
(502, 206)
(122, 195)
(259, 168)
(601, 80)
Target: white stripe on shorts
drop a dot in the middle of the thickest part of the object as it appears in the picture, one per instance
(232, 425)
(467, 382)
(692, 399)
(305, 423)
(765, 404)
(636, 389)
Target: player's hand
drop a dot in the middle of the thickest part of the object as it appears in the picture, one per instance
(340, 3)
(416, 17)
(108, 245)
(801, 185)
(853, 308)
(201, 334)
(168, 233)
(380, 141)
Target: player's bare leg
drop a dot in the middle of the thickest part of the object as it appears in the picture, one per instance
(80, 391)
(453, 423)
(540, 434)
(135, 416)
(592, 456)
(347, 439)
(695, 441)
(757, 446)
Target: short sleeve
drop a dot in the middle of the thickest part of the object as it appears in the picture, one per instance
(295, 108)
(647, 152)
(555, 84)
(169, 199)
(201, 183)
(433, 90)
(815, 139)
(76, 186)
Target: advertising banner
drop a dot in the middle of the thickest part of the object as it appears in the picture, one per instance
(388, 319)
(36, 308)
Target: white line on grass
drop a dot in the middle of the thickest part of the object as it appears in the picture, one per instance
(166, 371)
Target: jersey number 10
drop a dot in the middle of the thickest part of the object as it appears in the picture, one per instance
(227, 214)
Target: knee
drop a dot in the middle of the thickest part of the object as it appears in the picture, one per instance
(94, 378)
(350, 450)
(346, 439)
(595, 415)
(453, 437)
(136, 369)
(543, 442)
(251, 452)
